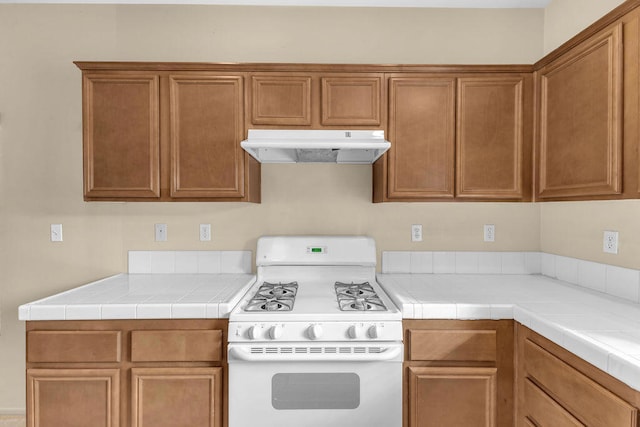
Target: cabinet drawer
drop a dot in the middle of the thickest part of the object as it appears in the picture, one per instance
(73, 346)
(587, 400)
(452, 345)
(544, 411)
(176, 346)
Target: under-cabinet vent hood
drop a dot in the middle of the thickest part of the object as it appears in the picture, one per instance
(316, 146)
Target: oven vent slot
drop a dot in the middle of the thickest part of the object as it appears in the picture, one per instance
(317, 350)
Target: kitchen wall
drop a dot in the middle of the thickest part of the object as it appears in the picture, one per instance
(41, 142)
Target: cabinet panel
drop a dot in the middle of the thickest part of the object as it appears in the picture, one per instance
(452, 396)
(73, 346)
(581, 120)
(121, 135)
(544, 411)
(206, 131)
(583, 397)
(489, 140)
(176, 346)
(452, 345)
(421, 132)
(176, 397)
(352, 101)
(281, 100)
(73, 397)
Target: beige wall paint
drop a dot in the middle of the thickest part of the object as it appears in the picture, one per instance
(41, 140)
(564, 19)
(576, 228)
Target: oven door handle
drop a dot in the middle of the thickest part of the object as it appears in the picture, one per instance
(251, 353)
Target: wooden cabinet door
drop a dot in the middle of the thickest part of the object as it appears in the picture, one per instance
(176, 397)
(580, 124)
(489, 138)
(421, 132)
(121, 135)
(73, 397)
(452, 396)
(280, 100)
(206, 130)
(352, 100)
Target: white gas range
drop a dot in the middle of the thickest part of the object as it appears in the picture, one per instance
(315, 341)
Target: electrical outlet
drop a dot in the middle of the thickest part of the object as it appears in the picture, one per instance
(610, 242)
(161, 232)
(205, 232)
(489, 233)
(56, 232)
(416, 233)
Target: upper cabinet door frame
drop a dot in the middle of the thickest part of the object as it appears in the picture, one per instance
(352, 100)
(573, 114)
(490, 137)
(428, 139)
(280, 100)
(192, 141)
(121, 135)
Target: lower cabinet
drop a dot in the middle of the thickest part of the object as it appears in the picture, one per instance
(556, 389)
(133, 373)
(458, 373)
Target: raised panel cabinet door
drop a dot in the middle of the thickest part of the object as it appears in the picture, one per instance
(581, 120)
(176, 397)
(489, 138)
(452, 396)
(281, 100)
(352, 100)
(121, 135)
(73, 397)
(422, 136)
(206, 130)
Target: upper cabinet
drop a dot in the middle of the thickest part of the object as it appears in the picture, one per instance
(206, 129)
(162, 135)
(581, 119)
(420, 162)
(317, 100)
(458, 137)
(493, 137)
(121, 135)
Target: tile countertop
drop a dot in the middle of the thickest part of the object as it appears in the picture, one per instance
(144, 296)
(603, 330)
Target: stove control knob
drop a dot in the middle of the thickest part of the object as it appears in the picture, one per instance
(253, 333)
(275, 332)
(354, 331)
(374, 332)
(314, 332)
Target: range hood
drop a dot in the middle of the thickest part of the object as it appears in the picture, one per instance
(316, 146)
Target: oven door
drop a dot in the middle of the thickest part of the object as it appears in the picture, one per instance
(329, 384)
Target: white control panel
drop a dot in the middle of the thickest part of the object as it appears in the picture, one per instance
(315, 331)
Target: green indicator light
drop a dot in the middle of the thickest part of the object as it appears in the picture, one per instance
(316, 250)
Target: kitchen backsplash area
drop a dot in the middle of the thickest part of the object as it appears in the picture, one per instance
(615, 281)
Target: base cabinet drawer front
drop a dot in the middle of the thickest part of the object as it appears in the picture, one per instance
(542, 411)
(587, 400)
(176, 346)
(176, 397)
(450, 345)
(73, 397)
(73, 346)
(452, 397)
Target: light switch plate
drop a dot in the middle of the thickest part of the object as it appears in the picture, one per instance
(56, 232)
(161, 232)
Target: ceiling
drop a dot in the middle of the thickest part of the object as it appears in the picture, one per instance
(345, 3)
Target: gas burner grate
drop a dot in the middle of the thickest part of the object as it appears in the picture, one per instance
(358, 297)
(273, 297)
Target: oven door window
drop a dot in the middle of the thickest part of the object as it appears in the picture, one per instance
(315, 391)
